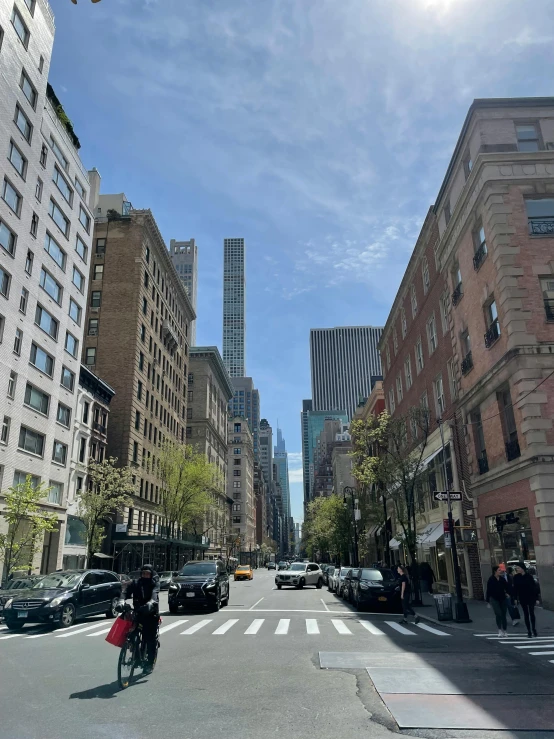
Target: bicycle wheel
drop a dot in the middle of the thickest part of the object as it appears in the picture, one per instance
(126, 664)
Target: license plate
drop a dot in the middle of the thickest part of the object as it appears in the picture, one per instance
(22, 614)
(382, 598)
(191, 595)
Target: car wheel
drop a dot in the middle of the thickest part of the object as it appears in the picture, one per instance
(111, 612)
(15, 625)
(319, 584)
(173, 608)
(68, 616)
(279, 587)
(301, 583)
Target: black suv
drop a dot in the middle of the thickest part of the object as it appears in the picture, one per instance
(62, 597)
(199, 583)
(15, 587)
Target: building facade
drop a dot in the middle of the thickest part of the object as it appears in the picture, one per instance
(306, 407)
(234, 302)
(45, 238)
(240, 483)
(246, 403)
(343, 362)
(313, 423)
(184, 256)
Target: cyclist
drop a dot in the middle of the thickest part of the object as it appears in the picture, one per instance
(145, 592)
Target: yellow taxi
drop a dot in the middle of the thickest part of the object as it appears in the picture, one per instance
(244, 572)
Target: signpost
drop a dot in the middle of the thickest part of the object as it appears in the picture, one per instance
(439, 495)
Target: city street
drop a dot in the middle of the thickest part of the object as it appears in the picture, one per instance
(255, 670)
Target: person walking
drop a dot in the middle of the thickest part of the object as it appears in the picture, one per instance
(427, 577)
(497, 598)
(525, 593)
(405, 594)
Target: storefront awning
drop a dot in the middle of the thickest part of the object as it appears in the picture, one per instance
(394, 544)
(431, 456)
(429, 536)
(373, 530)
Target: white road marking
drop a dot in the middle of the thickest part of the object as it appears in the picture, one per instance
(283, 626)
(49, 632)
(399, 628)
(255, 626)
(99, 633)
(226, 626)
(527, 641)
(256, 603)
(324, 604)
(538, 653)
(517, 638)
(311, 626)
(173, 625)
(534, 646)
(372, 628)
(11, 636)
(431, 630)
(197, 627)
(77, 631)
(340, 626)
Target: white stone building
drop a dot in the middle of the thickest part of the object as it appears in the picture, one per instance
(240, 482)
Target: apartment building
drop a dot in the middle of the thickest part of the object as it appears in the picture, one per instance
(137, 339)
(45, 237)
(240, 482)
(184, 255)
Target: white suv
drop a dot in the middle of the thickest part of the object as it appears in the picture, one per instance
(300, 574)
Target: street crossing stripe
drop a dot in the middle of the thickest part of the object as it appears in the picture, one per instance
(49, 632)
(399, 628)
(226, 626)
(255, 626)
(534, 646)
(511, 639)
(340, 626)
(283, 626)
(196, 627)
(311, 626)
(77, 631)
(173, 625)
(11, 636)
(431, 630)
(372, 628)
(99, 633)
(540, 652)
(528, 641)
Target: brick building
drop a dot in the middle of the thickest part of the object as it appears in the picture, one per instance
(240, 482)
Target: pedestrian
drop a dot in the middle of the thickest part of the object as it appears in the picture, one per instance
(497, 598)
(427, 577)
(405, 594)
(512, 608)
(525, 593)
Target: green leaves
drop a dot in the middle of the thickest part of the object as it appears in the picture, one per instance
(327, 527)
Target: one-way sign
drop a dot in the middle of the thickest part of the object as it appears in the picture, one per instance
(444, 496)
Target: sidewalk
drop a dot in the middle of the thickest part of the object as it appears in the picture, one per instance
(482, 618)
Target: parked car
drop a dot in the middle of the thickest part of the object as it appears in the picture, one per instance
(329, 569)
(376, 589)
(15, 586)
(271, 566)
(332, 576)
(282, 566)
(347, 584)
(165, 579)
(300, 574)
(203, 583)
(339, 580)
(62, 597)
(244, 572)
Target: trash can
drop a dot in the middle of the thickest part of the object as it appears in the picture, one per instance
(443, 602)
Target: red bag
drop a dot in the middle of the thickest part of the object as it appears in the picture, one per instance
(118, 633)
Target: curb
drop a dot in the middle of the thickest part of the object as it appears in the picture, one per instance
(448, 624)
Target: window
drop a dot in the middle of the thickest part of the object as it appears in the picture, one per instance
(2, 325)
(63, 415)
(189, 432)
(143, 333)
(51, 286)
(55, 251)
(137, 420)
(78, 280)
(547, 288)
(189, 413)
(236, 484)
(403, 323)
(432, 334)
(7, 238)
(18, 341)
(141, 361)
(75, 311)
(36, 399)
(238, 428)
(11, 197)
(440, 403)
(144, 306)
(46, 321)
(467, 163)
(29, 262)
(190, 396)
(145, 279)
(23, 124)
(491, 319)
(59, 453)
(43, 155)
(479, 246)
(408, 372)
(55, 492)
(395, 341)
(59, 218)
(5, 433)
(98, 272)
(80, 189)
(139, 390)
(424, 401)
(509, 427)
(479, 439)
(95, 298)
(90, 356)
(392, 405)
(12, 384)
(452, 379)
(237, 450)
(20, 27)
(58, 153)
(84, 218)
(34, 225)
(425, 276)
(527, 138)
(236, 473)
(237, 462)
(100, 246)
(81, 248)
(447, 213)
(62, 185)
(28, 90)
(68, 379)
(93, 327)
(38, 189)
(399, 393)
(540, 216)
(444, 312)
(31, 441)
(41, 360)
(17, 159)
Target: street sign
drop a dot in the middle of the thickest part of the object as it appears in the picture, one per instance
(441, 495)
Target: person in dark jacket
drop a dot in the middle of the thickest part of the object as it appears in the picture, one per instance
(145, 592)
(497, 598)
(427, 577)
(405, 593)
(525, 593)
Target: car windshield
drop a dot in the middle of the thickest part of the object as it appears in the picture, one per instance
(344, 571)
(378, 575)
(297, 567)
(243, 567)
(198, 568)
(58, 580)
(330, 570)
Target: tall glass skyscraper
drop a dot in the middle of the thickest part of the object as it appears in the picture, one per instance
(234, 297)
(282, 464)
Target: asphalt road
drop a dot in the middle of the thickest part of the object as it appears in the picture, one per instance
(254, 670)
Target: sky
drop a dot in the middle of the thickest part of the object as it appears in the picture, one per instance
(318, 130)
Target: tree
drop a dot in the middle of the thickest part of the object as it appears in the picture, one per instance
(108, 492)
(27, 522)
(326, 530)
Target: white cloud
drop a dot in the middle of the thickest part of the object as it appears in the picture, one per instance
(295, 459)
(295, 475)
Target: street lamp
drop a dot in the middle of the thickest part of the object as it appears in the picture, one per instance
(350, 491)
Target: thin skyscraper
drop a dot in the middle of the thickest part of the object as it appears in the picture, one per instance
(234, 298)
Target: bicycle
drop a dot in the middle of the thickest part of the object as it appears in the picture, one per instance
(133, 652)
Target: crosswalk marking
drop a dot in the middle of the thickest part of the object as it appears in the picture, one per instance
(173, 625)
(283, 626)
(38, 636)
(528, 642)
(372, 628)
(77, 631)
(540, 652)
(226, 626)
(11, 636)
(431, 630)
(534, 646)
(399, 628)
(311, 626)
(340, 626)
(99, 633)
(255, 626)
(196, 627)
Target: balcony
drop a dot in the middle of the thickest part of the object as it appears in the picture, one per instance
(169, 334)
(479, 257)
(467, 364)
(483, 463)
(549, 309)
(512, 450)
(457, 294)
(492, 334)
(541, 226)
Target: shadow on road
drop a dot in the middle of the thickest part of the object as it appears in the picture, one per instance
(103, 691)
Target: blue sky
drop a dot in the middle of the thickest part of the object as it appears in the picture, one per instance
(319, 130)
